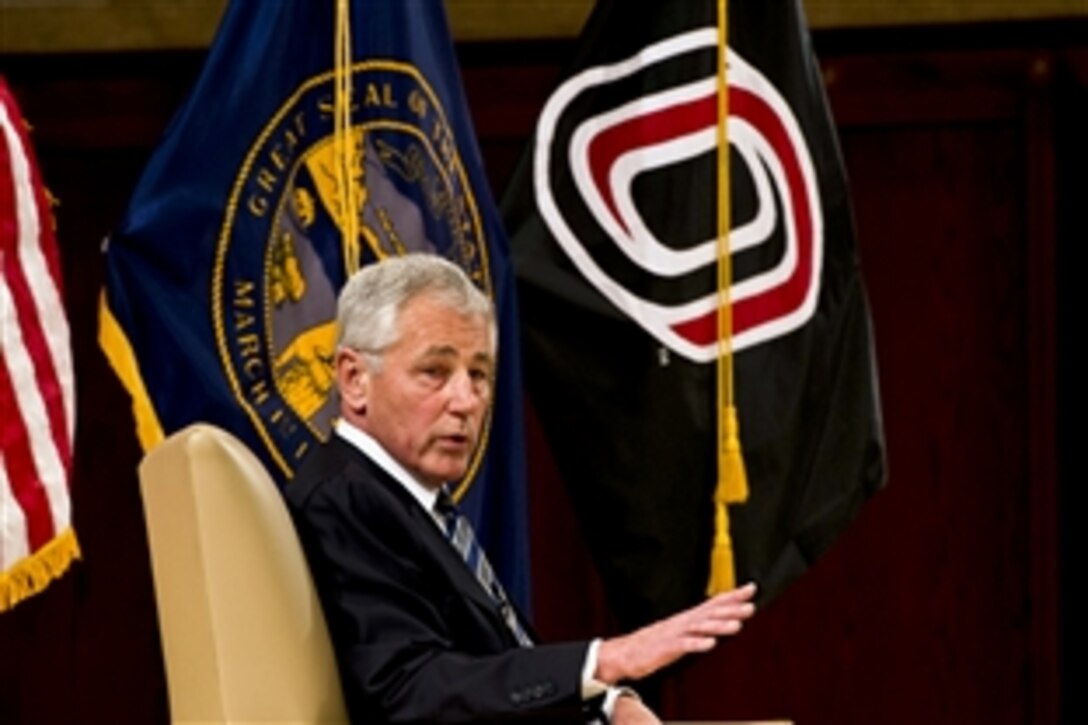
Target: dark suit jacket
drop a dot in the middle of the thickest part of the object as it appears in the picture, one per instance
(417, 638)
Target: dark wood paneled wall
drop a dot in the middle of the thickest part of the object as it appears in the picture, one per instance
(941, 604)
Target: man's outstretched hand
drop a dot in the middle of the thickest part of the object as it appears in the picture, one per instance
(647, 650)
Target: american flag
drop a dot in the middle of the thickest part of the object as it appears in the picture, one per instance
(37, 416)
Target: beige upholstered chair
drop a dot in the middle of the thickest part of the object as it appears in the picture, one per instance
(243, 635)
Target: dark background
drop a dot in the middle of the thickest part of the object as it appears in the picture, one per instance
(951, 600)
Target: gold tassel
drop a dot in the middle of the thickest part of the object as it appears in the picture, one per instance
(732, 479)
(732, 488)
(722, 577)
(31, 574)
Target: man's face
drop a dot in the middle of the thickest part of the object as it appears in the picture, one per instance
(427, 402)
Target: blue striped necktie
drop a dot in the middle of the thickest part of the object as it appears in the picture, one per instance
(463, 538)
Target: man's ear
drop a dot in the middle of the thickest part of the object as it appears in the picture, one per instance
(352, 380)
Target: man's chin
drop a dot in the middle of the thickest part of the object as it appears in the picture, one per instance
(447, 468)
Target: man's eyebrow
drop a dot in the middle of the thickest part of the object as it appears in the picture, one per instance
(451, 351)
(443, 350)
(483, 357)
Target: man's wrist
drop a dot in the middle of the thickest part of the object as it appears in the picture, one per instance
(612, 660)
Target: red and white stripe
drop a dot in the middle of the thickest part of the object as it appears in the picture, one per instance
(37, 416)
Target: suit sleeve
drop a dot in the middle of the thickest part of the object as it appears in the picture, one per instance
(411, 646)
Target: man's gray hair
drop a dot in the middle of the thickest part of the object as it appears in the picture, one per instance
(370, 303)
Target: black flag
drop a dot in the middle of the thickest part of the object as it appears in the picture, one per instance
(613, 219)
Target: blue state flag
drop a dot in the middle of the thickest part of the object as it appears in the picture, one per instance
(221, 279)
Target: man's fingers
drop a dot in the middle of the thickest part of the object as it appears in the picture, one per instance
(715, 627)
(740, 594)
(734, 611)
(699, 644)
(717, 611)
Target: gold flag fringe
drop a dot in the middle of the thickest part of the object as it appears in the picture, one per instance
(118, 351)
(31, 574)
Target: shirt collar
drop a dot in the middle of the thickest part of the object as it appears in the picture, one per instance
(373, 450)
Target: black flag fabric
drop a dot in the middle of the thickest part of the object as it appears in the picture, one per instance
(612, 217)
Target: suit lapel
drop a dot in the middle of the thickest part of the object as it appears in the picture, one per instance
(426, 531)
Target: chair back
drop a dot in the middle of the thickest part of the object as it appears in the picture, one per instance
(243, 636)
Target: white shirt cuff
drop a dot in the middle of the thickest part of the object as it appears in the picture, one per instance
(591, 686)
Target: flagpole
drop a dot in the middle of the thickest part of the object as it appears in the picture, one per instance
(344, 138)
(732, 481)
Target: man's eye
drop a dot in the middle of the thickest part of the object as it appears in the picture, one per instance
(480, 376)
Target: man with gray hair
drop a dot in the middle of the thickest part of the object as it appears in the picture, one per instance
(422, 629)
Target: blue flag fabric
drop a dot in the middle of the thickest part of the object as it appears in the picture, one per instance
(222, 277)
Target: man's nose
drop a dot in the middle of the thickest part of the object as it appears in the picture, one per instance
(464, 397)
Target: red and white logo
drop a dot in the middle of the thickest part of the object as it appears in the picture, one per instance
(605, 154)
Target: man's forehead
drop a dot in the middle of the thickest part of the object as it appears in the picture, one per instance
(428, 304)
